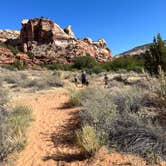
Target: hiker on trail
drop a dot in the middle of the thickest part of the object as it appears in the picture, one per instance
(76, 79)
(105, 80)
(84, 78)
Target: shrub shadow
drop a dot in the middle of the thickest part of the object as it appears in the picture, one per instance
(65, 137)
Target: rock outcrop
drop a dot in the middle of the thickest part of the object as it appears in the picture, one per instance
(9, 34)
(37, 33)
(69, 31)
(40, 30)
(47, 42)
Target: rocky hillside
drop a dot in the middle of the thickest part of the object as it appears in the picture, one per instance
(137, 51)
(43, 41)
(8, 34)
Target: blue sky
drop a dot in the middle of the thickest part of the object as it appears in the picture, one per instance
(124, 24)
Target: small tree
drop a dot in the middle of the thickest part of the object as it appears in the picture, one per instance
(156, 56)
(84, 62)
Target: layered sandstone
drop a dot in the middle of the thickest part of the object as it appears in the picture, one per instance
(44, 39)
(47, 42)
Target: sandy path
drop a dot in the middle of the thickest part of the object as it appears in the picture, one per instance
(50, 138)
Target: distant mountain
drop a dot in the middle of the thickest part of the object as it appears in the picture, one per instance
(137, 51)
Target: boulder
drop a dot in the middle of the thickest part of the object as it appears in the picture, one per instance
(100, 43)
(68, 31)
(88, 40)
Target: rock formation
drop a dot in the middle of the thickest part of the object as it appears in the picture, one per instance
(69, 31)
(37, 33)
(47, 42)
(40, 30)
(8, 34)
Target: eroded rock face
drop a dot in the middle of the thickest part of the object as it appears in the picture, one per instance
(48, 43)
(40, 30)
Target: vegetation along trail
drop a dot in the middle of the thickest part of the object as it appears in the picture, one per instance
(51, 134)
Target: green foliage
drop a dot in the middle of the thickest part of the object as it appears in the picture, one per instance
(58, 66)
(84, 62)
(13, 49)
(127, 63)
(156, 56)
(18, 65)
(19, 119)
(97, 69)
(31, 55)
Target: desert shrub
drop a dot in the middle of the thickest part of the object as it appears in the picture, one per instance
(87, 140)
(130, 134)
(97, 69)
(84, 62)
(114, 83)
(19, 119)
(119, 121)
(99, 109)
(14, 49)
(55, 81)
(1, 82)
(162, 84)
(4, 96)
(20, 79)
(42, 83)
(4, 133)
(58, 73)
(17, 64)
(15, 77)
(12, 130)
(129, 99)
(77, 97)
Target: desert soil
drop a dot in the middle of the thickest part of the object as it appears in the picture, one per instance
(50, 138)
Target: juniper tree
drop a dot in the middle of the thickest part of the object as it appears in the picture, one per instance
(156, 56)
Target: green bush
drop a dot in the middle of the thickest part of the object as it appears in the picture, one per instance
(13, 49)
(156, 56)
(18, 65)
(127, 63)
(84, 62)
(97, 69)
(58, 66)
